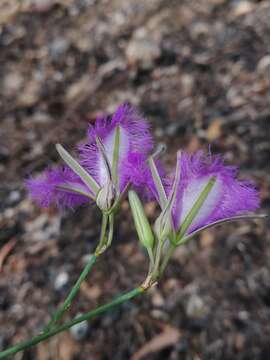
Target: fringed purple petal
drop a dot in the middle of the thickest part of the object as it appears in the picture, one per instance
(134, 137)
(137, 129)
(136, 172)
(228, 197)
(52, 188)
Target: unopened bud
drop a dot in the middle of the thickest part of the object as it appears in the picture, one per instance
(106, 196)
(142, 225)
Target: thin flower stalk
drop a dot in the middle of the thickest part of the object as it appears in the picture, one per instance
(67, 303)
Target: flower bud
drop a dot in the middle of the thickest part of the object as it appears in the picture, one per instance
(142, 225)
(106, 196)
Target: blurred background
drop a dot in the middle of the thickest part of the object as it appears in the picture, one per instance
(200, 73)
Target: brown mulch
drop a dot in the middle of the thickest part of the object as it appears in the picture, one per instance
(200, 73)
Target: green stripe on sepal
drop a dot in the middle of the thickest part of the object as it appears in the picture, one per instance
(78, 169)
(195, 209)
(162, 198)
(164, 224)
(142, 225)
(75, 190)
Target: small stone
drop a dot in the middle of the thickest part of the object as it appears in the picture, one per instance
(195, 306)
(30, 93)
(41, 118)
(8, 10)
(187, 83)
(42, 228)
(207, 239)
(61, 281)
(234, 97)
(42, 5)
(172, 129)
(79, 331)
(14, 196)
(200, 28)
(58, 47)
(243, 315)
(239, 342)
(160, 315)
(264, 64)
(157, 299)
(17, 311)
(242, 8)
(214, 130)
(142, 51)
(159, 132)
(13, 83)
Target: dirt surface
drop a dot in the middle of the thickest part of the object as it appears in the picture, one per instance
(200, 72)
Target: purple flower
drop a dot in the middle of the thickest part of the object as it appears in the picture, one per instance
(205, 192)
(135, 142)
(113, 157)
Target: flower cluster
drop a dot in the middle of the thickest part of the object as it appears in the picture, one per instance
(118, 156)
(112, 159)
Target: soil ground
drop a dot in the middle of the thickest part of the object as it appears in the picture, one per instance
(200, 73)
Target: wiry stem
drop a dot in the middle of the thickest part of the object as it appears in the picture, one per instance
(102, 241)
(65, 306)
(167, 257)
(93, 258)
(45, 335)
(156, 270)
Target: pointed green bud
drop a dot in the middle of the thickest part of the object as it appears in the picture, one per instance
(142, 225)
(162, 198)
(106, 197)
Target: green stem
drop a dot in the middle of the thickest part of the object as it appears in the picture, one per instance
(102, 241)
(156, 272)
(100, 310)
(167, 257)
(59, 313)
(111, 227)
(64, 307)
(151, 257)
